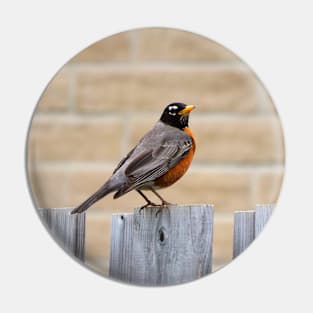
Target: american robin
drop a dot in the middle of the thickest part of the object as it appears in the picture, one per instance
(161, 157)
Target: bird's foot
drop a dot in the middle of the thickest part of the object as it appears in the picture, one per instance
(146, 205)
(164, 203)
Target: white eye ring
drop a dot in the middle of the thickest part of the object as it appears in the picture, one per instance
(173, 107)
(172, 113)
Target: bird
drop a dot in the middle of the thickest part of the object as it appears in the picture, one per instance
(161, 157)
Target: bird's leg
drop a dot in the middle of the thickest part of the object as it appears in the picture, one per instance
(148, 201)
(164, 202)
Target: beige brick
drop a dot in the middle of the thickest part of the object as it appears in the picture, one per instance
(113, 48)
(266, 104)
(213, 89)
(103, 90)
(238, 140)
(31, 158)
(84, 181)
(56, 96)
(222, 240)
(163, 44)
(48, 187)
(268, 186)
(70, 139)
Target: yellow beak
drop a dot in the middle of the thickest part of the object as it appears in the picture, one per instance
(186, 110)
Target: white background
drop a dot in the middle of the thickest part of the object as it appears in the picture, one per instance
(274, 38)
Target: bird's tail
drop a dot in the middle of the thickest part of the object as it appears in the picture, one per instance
(103, 191)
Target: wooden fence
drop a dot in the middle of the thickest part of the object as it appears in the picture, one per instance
(155, 249)
(68, 230)
(171, 247)
(248, 225)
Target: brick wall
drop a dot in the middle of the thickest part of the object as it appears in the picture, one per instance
(102, 101)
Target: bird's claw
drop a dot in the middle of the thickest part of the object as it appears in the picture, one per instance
(164, 203)
(152, 204)
(146, 205)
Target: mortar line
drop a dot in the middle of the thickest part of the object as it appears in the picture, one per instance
(103, 114)
(223, 167)
(148, 65)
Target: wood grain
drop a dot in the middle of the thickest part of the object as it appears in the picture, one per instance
(68, 230)
(171, 247)
(244, 231)
(262, 214)
(248, 225)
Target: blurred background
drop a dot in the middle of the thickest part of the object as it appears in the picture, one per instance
(101, 102)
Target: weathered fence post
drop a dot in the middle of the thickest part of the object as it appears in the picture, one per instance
(171, 247)
(248, 225)
(244, 231)
(68, 230)
(262, 214)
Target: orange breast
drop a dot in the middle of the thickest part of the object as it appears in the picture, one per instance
(180, 168)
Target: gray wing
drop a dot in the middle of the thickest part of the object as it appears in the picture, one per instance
(152, 163)
(122, 162)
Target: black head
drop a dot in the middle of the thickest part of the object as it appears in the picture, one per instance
(177, 114)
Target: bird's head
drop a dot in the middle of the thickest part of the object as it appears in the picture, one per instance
(177, 115)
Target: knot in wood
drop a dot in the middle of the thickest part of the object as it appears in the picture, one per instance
(162, 236)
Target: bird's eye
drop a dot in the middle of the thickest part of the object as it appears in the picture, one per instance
(172, 110)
